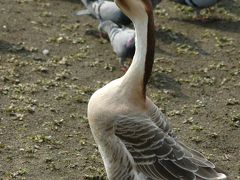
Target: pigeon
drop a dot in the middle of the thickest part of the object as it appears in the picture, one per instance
(121, 38)
(107, 10)
(198, 5)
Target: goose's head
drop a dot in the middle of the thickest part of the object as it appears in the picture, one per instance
(135, 9)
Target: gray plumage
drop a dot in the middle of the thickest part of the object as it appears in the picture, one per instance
(104, 10)
(198, 5)
(140, 146)
(107, 10)
(122, 39)
(159, 155)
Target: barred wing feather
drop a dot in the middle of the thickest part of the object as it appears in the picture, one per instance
(158, 155)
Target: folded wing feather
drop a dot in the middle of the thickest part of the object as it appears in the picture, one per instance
(157, 154)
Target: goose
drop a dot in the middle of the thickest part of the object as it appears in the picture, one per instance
(121, 38)
(133, 136)
(198, 5)
(107, 10)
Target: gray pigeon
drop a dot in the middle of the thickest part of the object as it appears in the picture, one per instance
(122, 40)
(107, 10)
(198, 5)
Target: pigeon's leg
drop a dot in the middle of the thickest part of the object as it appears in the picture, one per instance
(198, 15)
(210, 11)
(103, 35)
(124, 68)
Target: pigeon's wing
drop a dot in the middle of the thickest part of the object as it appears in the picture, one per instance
(203, 4)
(158, 155)
(105, 10)
(108, 10)
(83, 12)
(120, 39)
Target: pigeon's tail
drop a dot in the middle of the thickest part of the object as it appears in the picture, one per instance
(83, 12)
(90, 8)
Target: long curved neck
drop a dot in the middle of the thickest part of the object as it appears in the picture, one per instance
(138, 74)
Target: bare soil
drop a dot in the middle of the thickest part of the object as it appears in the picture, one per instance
(52, 61)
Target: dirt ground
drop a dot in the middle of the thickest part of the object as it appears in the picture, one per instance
(51, 62)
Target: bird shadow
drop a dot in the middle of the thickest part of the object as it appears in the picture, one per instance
(167, 36)
(214, 23)
(93, 33)
(231, 6)
(165, 82)
(163, 52)
(7, 47)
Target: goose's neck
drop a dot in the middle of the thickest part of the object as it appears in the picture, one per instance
(138, 74)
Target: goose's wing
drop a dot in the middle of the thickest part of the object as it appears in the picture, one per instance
(158, 155)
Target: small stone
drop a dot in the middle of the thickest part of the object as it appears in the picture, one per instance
(45, 52)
